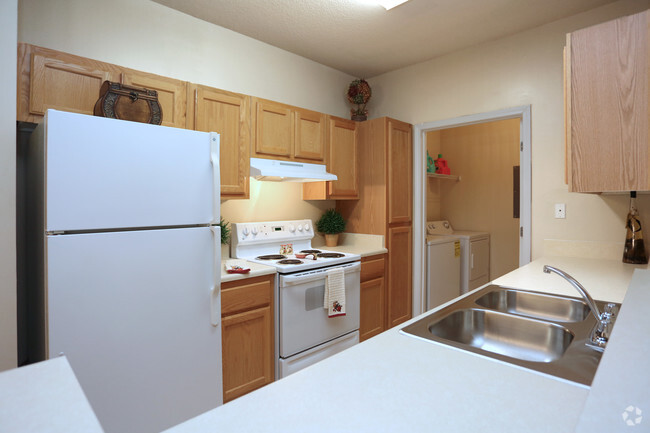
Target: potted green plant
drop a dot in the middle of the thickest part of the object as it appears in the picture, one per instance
(331, 223)
(225, 231)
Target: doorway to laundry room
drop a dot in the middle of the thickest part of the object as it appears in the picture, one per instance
(482, 195)
(487, 190)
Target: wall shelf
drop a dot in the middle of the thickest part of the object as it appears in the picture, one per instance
(444, 176)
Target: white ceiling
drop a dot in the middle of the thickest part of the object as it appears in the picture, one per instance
(365, 40)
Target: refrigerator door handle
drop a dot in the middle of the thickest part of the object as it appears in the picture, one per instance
(215, 291)
(216, 179)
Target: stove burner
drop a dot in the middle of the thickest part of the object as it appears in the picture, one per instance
(271, 257)
(289, 262)
(310, 251)
(331, 255)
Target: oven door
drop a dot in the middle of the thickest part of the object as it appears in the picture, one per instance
(303, 320)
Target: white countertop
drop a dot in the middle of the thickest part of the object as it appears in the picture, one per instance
(44, 397)
(256, 271)
(394, 382)
(622, 382)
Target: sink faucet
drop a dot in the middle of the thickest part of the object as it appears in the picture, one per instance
(604, 320)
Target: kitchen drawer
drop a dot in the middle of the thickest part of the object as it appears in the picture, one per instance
(372, 267)
(243, 295)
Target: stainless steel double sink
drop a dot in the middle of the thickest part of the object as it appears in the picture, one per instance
(542, 332)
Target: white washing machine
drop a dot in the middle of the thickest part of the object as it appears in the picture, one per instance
(443, 269)
(474, 253)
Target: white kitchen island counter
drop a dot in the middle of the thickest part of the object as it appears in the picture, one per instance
(396, 383)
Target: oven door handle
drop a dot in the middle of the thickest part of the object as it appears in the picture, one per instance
(302, 277)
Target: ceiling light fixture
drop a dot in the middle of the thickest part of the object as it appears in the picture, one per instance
(389, 4)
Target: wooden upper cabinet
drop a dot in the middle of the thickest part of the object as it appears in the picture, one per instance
(607, 103)
(400, 172)
(172, 95)
(288, 133)
(343, 158)
(343, 161)
(228, 114)
(52, 79)
(273, 130)
(310, 135)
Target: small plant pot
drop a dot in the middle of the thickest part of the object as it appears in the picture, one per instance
(331, 240)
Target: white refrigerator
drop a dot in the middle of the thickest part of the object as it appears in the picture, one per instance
(124, 265)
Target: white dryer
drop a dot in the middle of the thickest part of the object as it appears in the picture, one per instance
(474, 252)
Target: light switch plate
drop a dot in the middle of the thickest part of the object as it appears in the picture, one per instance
(560, 210)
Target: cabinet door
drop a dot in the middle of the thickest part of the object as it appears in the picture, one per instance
(273, 130)
(310, 136)
(59, 81)
(373, 297)
(608, 102)
(400, 172)
(343, 159)
(247, 336)
(245, 352)
(228, 114)
(372, 308)
(399, 275)
(172, 95)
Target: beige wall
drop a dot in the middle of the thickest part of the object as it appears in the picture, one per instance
(483, 155)
(8, 24)
(523, 69)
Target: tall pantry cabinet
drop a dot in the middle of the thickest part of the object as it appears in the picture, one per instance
(385, 206)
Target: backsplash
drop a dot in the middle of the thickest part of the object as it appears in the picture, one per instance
(274, 201)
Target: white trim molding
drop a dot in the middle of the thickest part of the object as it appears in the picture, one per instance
(523, 113)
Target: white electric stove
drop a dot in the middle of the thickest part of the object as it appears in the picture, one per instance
(304, 332)
(277, 243)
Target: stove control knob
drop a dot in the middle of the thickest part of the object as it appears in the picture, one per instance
(299, 227)
(245, 231)
(254, 230)
(307, 227)
(292, 228)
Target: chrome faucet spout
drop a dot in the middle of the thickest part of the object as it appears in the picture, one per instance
(585, 295)
(604, 321)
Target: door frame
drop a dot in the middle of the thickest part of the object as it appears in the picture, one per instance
(522, 113)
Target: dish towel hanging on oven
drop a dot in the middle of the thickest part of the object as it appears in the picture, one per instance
(334, 301)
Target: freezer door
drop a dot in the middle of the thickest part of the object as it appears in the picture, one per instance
(105, 173)
(132, 313)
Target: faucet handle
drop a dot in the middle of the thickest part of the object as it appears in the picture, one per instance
(610, 311)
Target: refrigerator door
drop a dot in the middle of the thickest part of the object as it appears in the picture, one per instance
(131, 311)
(106, 173)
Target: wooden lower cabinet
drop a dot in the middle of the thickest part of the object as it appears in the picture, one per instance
(373, 297)
(247, 335)
(400, 292)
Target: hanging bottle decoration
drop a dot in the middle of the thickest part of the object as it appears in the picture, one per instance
(634, 250)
